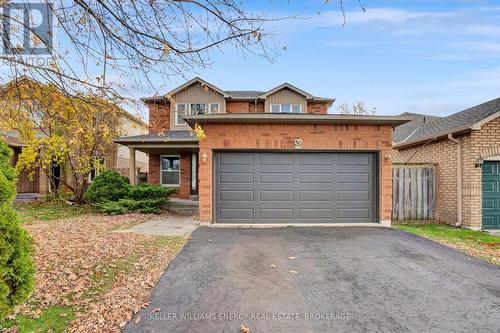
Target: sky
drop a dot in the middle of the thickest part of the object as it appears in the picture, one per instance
(427, 56)
(434, 57)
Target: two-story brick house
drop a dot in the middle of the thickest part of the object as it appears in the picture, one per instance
(272, 156)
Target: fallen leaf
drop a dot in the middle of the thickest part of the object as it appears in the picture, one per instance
(293, 272)
(137, 320)
(155, 310)
(291, 258)
(244, 329)
(273, 266)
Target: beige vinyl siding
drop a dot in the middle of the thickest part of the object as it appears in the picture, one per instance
(195, 94)
(286, 96)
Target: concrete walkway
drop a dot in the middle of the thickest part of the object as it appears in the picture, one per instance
(175, 225)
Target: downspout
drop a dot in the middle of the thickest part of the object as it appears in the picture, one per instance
(459, 178)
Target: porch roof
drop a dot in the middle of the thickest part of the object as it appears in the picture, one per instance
(159, 143)
(12, 141)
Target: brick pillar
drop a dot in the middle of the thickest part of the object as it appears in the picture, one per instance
(185, 183)
(154, 169)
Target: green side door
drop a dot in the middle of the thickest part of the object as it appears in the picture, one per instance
(491, 195)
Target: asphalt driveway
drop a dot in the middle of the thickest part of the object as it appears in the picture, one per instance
(321, 280)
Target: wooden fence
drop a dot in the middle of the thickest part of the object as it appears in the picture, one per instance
(413, 192)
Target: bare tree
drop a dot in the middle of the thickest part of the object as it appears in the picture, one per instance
(357, 108)
(107, 42)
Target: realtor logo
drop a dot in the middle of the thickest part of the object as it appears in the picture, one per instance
(26, 28)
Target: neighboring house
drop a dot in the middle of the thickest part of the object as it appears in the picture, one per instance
(117, 158)
(269, 157)
(37, 182)
(131, 125)
(465, 147)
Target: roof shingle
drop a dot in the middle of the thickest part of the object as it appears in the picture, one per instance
(460, 121)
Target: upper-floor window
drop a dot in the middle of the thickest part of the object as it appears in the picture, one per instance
(214, 108)
(286, 108)
(198, 108)
(180, 110)
(194, 108)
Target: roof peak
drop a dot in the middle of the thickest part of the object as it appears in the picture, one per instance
(238, 94)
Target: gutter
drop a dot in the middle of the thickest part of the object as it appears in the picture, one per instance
(297, 118)
(459, 179)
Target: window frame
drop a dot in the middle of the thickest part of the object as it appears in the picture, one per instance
(161, 171)
(210, 107)
(280, 106)
(176, 114)
(190, 109)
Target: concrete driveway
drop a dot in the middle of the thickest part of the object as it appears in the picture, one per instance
(354, 279)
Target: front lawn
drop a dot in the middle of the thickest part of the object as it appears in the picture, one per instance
(47, 211)
(89, 277)
(475, 243)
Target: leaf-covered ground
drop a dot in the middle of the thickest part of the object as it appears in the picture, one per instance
(100, 276)
(475, 243)
(47, 211)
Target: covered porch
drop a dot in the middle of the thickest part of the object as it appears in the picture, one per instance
(173, 160)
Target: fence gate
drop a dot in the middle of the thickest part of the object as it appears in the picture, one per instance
(413, 192)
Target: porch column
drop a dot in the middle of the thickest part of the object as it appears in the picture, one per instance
(131, 167)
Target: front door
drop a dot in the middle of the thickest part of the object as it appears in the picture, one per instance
(491, 195)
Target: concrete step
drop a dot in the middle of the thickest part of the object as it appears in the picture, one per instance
(184, 206)
(27, 197)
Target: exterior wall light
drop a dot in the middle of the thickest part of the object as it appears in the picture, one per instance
(204, 157)
(297, 143)
(388, 157)
(479, 162)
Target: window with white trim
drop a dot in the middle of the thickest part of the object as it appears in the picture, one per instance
(286, 108)
(180, 110)
(213, 108)
(170, 170)
(198, 108)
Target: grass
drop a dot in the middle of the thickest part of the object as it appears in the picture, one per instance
(53, 319)
(47, 211)
(175, 243)
(476, 243)
(105, 279)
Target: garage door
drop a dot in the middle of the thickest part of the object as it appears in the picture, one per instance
(491, 195)
(294, 187)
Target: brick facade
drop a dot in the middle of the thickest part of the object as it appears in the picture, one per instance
(376, 138)
(154, 169)
(317, 107)
(185, 176)
(159, 116)
(244, 107)
(484, 143)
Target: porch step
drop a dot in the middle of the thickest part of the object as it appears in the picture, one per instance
(27, 197)
(194, 197)
(184, 206)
